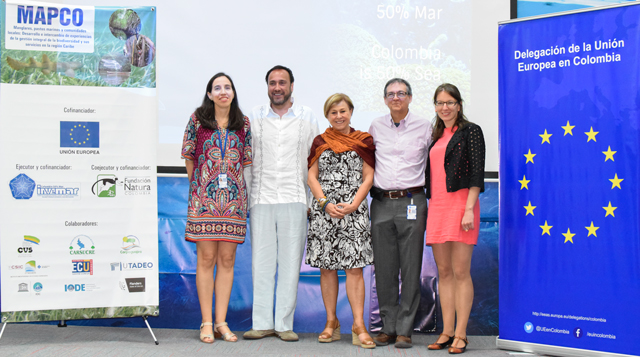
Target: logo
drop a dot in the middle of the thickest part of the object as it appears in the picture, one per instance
(16, 267)
(528, 327)
(578, 332)
(140, 185)
(23, 288)
(81, 245)
(134, 285)
(75, 134)
(37, 287)
(82, 266)
(131, 266)
(58, 190)
(74, 287)
(27, 243)
(22, 187)
(30, 267)
(105, 186)
(130, 245)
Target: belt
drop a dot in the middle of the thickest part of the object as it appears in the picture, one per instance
(395, 194)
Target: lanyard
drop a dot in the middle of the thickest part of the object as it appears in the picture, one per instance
(224, 147)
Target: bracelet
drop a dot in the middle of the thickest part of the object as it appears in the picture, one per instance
(325, 206)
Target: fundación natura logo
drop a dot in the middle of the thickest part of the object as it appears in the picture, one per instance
(81, 245)
(105, 185)
(22, 187)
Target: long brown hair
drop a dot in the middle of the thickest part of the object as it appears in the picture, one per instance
(461, 120)
(206, 112)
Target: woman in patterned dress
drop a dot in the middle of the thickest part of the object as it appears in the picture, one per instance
(341, 167)
(217, 153)
(454, 179)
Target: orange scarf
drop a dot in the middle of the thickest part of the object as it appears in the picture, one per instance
(358, 141)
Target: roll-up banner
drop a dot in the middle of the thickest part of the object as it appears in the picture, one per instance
(78, 133)
(569, 189)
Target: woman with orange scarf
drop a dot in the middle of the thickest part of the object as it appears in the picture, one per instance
(341, 167)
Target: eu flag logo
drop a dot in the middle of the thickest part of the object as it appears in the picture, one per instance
(79, 134)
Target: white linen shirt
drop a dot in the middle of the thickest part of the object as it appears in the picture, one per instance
(281, 147)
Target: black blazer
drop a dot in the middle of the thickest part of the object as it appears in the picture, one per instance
(463, 160)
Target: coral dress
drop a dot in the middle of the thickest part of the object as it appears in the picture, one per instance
(217, 213)
(444, 221)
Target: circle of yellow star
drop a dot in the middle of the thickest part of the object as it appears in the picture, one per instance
(524, 182)
(616, 182)
(529, 208)
(568, 237)
(529, 157)
(592, 230)
(546, 228)
(568, 129)
(591, 135)
(545, 137)
(609, 154)
(609, 209)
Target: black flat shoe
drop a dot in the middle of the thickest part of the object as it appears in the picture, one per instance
(443, 345)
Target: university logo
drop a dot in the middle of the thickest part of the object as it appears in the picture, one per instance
(30, 267)
(82, 266)
(75, 134)
(82, 245)
(27, 245)
(105, 186)
(23, 288)
(130, 245)
(131, 266)
(37, 287)
(22, 187)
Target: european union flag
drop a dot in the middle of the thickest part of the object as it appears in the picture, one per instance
(79, 134)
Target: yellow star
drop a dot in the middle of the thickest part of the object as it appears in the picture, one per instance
(592, 230)
(609, 154)
(529, 208)
(546, 228)
(610, 210)
(529, 156)
(545, 137)
(524, 182)
(568, 237)
(616, 182)
(568, 128)
(591, 134)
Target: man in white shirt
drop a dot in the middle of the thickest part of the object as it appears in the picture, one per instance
(282, 136)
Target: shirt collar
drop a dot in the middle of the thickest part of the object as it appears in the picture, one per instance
(292, 112)
(405, 120)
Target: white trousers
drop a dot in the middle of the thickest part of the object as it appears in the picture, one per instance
(278, 234)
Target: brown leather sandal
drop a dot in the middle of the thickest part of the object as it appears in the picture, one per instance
(325, 336)
(458, 350)
(355, 337)
(441, 345)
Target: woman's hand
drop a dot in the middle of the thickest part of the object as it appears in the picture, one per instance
(333, 211)
(346, 208)
(467, 220)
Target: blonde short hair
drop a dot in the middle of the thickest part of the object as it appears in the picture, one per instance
(335, 99)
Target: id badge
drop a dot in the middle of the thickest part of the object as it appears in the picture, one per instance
(222, 180)
(412, 212)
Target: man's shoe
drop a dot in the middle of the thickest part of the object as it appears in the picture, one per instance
(258, 334)
(383, 339)
(403, 342)
(288, 336)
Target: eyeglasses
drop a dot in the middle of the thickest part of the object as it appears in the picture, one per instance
(400, 94)
(448, 104)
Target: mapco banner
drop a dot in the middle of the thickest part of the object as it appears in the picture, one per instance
(569, 183)
(78, 133)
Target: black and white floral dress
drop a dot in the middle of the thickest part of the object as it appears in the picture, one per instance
(338, 244)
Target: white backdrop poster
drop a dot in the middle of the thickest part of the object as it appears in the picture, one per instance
(78, 132)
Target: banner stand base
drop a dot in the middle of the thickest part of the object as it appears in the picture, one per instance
(552, 350)
(62, 323)
(2, 331)
(145, 321)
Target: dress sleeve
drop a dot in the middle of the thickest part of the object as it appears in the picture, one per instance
(476, 157)
(189, 139)
(247, 159)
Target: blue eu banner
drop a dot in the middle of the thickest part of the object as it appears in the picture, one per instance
(569, 180)
(79, 134)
